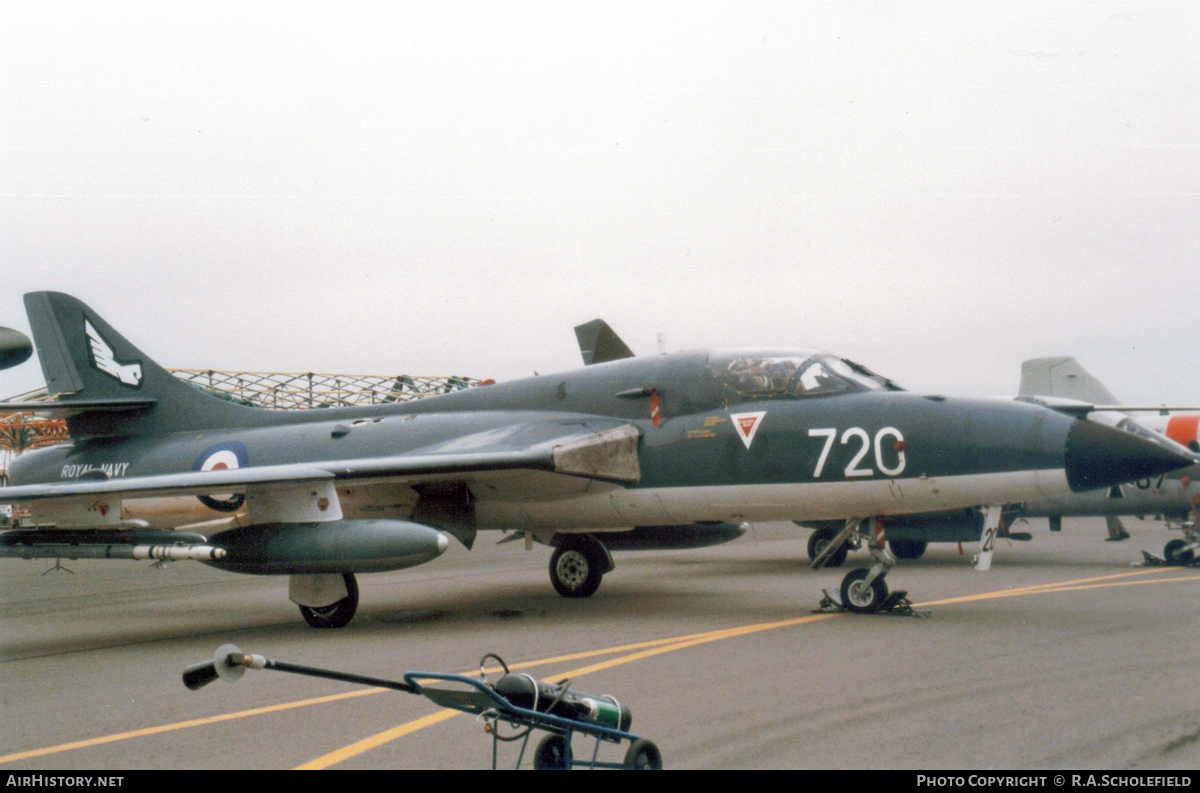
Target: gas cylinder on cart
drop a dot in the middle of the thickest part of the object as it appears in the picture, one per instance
(524, 691)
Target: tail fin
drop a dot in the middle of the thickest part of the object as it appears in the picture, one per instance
(1063, 377)
(85, 361)
(599, 344)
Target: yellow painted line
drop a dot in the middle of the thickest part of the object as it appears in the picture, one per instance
(357, 748)
(376, 740)
(1144, 571)
(1118, 583)
(182, 725)
(647, 649)
(354, 749)
(1064, 586)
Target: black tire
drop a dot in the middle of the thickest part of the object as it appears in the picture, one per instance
(908, 549)
(337, 615)
(864, 600)
(576, 568)
(553, 753)
(817, 543)
(643, 755)
(1178, 552)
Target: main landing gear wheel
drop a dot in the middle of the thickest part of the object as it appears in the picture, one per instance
(643, 755)
(817, 543)
(553, 753)
(861, 597)
(576, 568)
(1178, 552)
(337, 615)
(908, 549)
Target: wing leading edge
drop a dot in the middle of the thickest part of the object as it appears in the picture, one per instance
(589, 448)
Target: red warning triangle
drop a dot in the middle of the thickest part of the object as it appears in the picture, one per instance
(747, 425)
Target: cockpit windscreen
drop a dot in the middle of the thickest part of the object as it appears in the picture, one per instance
(792, 373)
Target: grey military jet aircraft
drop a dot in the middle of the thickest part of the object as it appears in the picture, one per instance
(682, 439)
(1061, 383)
(1174, 496)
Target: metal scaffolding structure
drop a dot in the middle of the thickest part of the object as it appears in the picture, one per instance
(20, 432)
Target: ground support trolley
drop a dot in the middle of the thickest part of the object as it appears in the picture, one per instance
(602, 718)
(554, 751)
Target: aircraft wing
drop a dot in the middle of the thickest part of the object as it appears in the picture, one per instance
(603, 449)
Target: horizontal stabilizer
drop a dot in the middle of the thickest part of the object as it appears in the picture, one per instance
(66, 409)
(1079, 410)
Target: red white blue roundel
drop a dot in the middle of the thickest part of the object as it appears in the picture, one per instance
(222, 456)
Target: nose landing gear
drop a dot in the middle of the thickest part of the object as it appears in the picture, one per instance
(864, 590)
(1183, 552)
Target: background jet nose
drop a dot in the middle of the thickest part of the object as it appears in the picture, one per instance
(1101, 456)
(15, 348)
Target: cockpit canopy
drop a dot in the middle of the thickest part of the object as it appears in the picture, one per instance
(792, 373)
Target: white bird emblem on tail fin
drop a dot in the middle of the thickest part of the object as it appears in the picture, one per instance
(102, 354)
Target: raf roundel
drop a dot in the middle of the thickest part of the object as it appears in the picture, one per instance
(223, 456)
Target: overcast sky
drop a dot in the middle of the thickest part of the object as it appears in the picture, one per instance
(938, 190)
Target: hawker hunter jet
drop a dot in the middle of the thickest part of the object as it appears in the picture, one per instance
(1063, 384)
(702, 437)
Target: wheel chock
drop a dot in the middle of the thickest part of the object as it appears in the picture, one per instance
(896, 604)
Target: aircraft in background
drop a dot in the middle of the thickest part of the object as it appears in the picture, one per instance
(1061, 383)
(1174, 496)
(15, 348)
(720, 436)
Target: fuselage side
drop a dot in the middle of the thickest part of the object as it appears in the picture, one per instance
(715, 453)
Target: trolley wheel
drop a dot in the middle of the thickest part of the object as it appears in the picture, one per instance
(576, 568)
(553, 753)
(337, 615)
(1178, 552)
(857, 596)
(817, 543)
(643, 755)
(908, 549)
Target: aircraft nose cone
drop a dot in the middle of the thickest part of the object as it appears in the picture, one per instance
(1101, 456)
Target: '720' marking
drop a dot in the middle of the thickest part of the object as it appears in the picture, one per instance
(859, 434)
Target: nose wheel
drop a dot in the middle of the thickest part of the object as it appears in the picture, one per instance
(1182, 553)
(864, 590)
(863, 596)
(1179, 552)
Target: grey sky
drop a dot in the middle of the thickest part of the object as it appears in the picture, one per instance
(939, 190)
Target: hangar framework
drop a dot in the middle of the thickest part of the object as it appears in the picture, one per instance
(22, 431)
